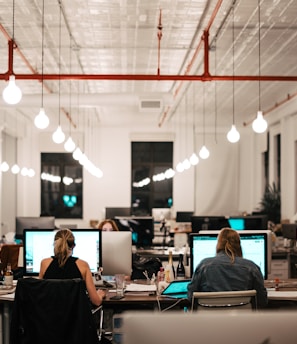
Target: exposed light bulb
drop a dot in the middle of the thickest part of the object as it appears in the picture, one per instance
(233, 134)
(194, 159)
(186, 164)
(4, 166)
(41, 121)
(204, 152)
(77, 154)
(180, 167)
(169, 173)
(69, 145)
(259, 124)
(12, 94)
(24, 171)
(58, 135)
(31, 173)
(15, 169)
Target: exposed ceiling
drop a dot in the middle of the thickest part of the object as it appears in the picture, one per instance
(126, 62)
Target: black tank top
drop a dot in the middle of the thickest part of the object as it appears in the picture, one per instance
(68, 271)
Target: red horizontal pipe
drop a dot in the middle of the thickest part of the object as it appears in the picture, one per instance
(148, 77)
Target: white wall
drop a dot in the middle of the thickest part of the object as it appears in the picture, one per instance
(229, 182)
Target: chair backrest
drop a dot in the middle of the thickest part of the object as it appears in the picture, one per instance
(241, 299)
(9, 253)
(52, 311)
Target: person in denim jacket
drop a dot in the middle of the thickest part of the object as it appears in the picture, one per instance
(228, 270)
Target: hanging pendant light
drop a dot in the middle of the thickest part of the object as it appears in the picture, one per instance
(41, 121)
(259, 124)
(204, 152)
(69, 145)
(4, 166)
(58, 136)
(233, 134)
(15, 169)
(12, 94)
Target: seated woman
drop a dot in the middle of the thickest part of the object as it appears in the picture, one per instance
(108, 225)
(228, 270)
(63, 266)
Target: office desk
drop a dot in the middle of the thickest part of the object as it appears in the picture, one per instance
(285, 298)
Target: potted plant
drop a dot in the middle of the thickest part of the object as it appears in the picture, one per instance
(271, 203)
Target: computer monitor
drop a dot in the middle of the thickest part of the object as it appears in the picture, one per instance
(289, 230)
(116, 253)
(184, 216)
(142, 229)
(256, 222)
(256, 246)
(248, 222)
(27, 222)
(208, 223)
(134, 327)
(236, 223)
(112, 212)
(39, 244)
(161, 214)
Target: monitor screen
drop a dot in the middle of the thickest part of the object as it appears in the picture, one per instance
(208, 223)
(39, 244)
(256, 222)
(255, 246)
(142, 229)
(112, 212)
(236, 223)
(250, 222)
(161, 214)
(116, 253)
(289, 230)
(184, 216)
(26, 222)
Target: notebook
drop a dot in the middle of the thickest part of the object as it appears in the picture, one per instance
(177, 289)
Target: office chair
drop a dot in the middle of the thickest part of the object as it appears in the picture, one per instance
(53, 311)
(225, 300)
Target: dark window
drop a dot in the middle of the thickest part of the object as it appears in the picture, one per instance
(148, 159)
(61, 186)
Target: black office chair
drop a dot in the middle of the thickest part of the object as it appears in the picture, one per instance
(52, 312)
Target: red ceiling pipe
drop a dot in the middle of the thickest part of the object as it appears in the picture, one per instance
(149, 77)
(206, 52)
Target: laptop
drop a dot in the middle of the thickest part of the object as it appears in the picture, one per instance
(177, 289)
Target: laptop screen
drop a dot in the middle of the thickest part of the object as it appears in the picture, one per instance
(177, 289)
(39, 244)
(254, 247)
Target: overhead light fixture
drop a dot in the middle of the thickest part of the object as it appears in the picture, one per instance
(41, 121)
(4, 166)
(194, 159)
(259, 124)
(204, 152)
(15, 169)
(12, 94)
(58, 136)
(69, 145)
(233, 134)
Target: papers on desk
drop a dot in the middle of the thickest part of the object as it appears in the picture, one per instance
(141, 288)
(6, 290)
